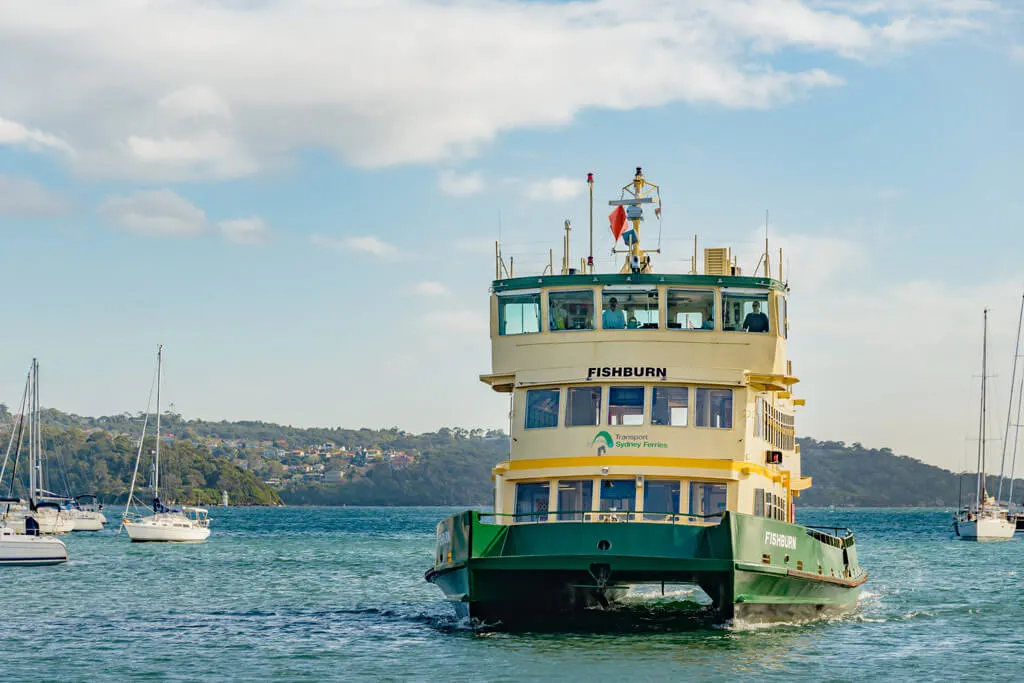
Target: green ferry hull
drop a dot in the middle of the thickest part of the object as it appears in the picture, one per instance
(750, 567)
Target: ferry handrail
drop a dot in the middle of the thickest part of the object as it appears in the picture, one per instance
(593, 515)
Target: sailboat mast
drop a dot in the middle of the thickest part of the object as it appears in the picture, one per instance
(32, 441)
(1009, 408)
(159, 369)
(980, 499)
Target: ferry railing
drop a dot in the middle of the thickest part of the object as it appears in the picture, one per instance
(837, 536)
(610, 516)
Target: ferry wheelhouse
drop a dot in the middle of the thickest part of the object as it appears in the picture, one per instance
(652, 440)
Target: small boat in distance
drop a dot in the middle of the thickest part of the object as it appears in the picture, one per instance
(984, 520)
(166, 524)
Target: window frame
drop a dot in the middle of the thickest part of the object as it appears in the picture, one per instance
(654, 396)
(531, 516)
(698, 413)
(619, 291)
(551, 310)
(715, 305)
(568, 403)
(643, 405)
(748, 295)
(527, 410)
(521, 293)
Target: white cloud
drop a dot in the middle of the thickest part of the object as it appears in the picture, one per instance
(255, 82)
(245, 230)
(460, 185)
(25, 198)
(14, 133)
(1017, 53)
(367, 244)
(428, 288)
(556, 189)
(158, 213)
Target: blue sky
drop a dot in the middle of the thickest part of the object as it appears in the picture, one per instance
(299, 200)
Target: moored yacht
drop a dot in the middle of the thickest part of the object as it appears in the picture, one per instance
(165, 524)
(652, 441)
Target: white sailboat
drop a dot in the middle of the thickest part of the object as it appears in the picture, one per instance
(185, 524)
(21, 542)
(984, 520)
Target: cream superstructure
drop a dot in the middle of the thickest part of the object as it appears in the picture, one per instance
(691, 409)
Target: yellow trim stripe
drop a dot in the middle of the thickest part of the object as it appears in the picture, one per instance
(645, 461)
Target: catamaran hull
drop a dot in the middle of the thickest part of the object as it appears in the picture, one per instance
(31, 550)
(986, 529)
(750, 567)
(165, 532)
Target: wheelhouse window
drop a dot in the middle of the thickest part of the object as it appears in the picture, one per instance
(629, 309)
(690, 309)
(714, 408)
(575, 497)
(519, 313)
(670, 406)
(625, 406)
(572, 310)
(707, 498)
(542, 408)
(618, 495)
(661, 499)
(584, 408)
(745, 311)
(532, 502)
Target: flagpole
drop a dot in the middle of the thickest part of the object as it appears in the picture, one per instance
(590, 256)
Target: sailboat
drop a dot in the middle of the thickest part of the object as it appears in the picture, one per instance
(21, 542)
(184, 524)
(984, 520)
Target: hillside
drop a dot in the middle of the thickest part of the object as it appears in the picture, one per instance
(263, 463)
(869, 477)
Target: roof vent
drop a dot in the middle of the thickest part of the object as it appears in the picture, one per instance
(718, 261)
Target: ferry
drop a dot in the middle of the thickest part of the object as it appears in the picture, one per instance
(652, 441)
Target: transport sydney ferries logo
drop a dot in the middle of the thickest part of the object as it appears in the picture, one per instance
(605, 442)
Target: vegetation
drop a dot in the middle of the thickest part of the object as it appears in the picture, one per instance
(102, 463)
(877, 477)
(447, 467)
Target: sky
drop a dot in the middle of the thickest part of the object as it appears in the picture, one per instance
(300, 198)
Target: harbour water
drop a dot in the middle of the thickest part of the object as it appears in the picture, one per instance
(338, 594)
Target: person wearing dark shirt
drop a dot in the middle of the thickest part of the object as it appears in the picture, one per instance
(756, 321)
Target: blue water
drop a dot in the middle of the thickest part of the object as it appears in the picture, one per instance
(338, 594)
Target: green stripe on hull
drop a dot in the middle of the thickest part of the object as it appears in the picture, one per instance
(495, 571)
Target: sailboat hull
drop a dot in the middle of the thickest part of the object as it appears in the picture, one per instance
(89, 521)
(166, 528)
(50, 521)
(16, 549)
(985, 529)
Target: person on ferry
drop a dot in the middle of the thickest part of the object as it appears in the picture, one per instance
(613, 318)
(756, 321)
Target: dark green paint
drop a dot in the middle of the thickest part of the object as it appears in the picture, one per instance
(579, 280)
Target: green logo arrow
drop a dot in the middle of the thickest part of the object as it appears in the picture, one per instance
(607, 442)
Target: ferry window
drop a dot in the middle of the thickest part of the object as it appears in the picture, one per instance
(707, 499)
(584, 407)
(714, 408)
(571, 310)
(759, 502)
(519, 313)
(574, 498)
(625, 406)
(629, 309)
(783, 323)
(661, 498)
(690, 309)
(618, 495)
(532, 502)
(745, 312)
(670, 406)
(542, 408)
